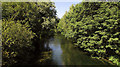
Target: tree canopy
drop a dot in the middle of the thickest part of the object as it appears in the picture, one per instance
(23, 23)
(94, 26)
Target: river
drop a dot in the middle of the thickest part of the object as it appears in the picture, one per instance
(63, 53)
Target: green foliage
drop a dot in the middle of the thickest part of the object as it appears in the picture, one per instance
(15, 38)
(23, 24)
(114, 60)
(94, 26)
(40, 16)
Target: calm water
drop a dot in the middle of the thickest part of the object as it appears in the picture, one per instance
(63, 53)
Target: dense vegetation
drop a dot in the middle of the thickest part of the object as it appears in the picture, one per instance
(24, 25)
(95, 28)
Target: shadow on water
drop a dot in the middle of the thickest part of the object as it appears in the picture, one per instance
(35, 56)
(63, 54)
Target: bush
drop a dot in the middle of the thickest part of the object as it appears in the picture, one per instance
(16, 38)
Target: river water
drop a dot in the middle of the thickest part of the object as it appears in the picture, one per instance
(63, 53)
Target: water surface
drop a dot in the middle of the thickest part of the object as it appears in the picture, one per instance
(63, 53)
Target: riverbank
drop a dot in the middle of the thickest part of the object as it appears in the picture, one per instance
(106, 61)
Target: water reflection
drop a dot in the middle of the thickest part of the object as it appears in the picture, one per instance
(63, 53)
(57, 51)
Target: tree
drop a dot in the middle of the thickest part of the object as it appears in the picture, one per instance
(15, 39)
(40, 16)
(25, 27)
(94, 27)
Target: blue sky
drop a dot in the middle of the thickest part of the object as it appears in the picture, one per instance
(62, 7)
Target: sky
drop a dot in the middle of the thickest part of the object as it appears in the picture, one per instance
(62, 7)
